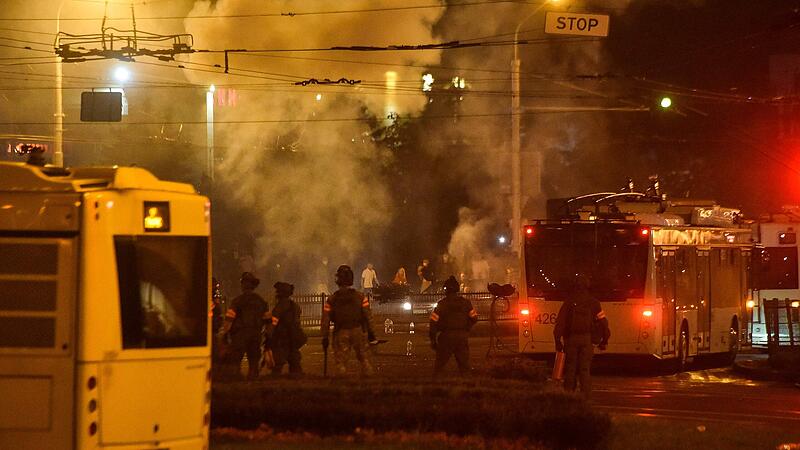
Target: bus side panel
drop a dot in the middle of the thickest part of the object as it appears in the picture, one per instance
(37, 303)
(160, 401)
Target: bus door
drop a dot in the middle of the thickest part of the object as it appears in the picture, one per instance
(703, 303)
(666, 291)
(37, 305)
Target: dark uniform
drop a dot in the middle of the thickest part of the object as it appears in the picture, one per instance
(450, 323)
(244, 322)
(350, 313)
(578, 319)
(284, 331)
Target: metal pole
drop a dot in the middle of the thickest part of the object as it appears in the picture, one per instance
(516, 171)
(58, 135)
(210, 132)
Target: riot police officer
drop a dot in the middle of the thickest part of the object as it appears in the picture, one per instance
(244, 322)
(450, 323)
(350, 313)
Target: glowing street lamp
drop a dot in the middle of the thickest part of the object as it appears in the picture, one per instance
(665, 102)
(122, 74)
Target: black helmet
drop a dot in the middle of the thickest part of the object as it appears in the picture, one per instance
(283, 289)
(248, 279)
(451, 285)
(344, 275)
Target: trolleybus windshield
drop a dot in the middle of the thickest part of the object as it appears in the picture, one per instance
(163, 286)
(614, 256)
(776, 268)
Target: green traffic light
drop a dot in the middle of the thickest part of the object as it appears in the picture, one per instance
(666, 102)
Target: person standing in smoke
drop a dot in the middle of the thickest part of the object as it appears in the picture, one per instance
(369, 279)
(285, 335)
(244, 320)
(446, 267)
(350, 313)
(426, 276)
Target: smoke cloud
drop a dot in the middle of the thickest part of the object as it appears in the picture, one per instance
(309, 168)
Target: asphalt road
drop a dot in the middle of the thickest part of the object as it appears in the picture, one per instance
(708, 395)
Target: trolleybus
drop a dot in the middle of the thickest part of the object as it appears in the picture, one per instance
(104, 336)
(672, 276)
(775, 269)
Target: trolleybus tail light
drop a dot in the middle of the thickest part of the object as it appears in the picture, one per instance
(644, 231)
(751, 304)
(529, 231)
(647, 313)
(525, 312)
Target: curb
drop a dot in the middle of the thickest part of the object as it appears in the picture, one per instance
(764, 373)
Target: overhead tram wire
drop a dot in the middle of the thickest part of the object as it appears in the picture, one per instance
(286, 14)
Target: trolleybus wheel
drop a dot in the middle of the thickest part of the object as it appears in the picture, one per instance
(683, 349)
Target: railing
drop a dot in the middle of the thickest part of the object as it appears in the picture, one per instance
(782, 322)
(410, 308)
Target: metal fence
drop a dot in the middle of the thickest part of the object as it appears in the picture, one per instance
(411, 308)
(782, 322)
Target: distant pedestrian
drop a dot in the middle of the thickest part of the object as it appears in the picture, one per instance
(450, 323)
(285, 335)
(244, 322)
(400, 277)
(581, 323)
(369, 279)
(426, 275)
(349, 310)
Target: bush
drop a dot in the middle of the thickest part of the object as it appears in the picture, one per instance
(483, 407)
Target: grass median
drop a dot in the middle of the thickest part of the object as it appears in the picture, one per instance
(478, 407)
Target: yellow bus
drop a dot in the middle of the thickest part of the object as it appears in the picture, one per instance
(672, 276)
(104, 296)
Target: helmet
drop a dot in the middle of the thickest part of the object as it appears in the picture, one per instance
(283, 289)
(250, 280)
(451, 285)
(344, 275)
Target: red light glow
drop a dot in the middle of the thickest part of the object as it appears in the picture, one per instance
(529, 231)
(645, 231)
(647, 313)
(525, 312)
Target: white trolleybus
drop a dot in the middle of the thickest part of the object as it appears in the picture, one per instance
(104, 337)
(672, 276)
(775, 271)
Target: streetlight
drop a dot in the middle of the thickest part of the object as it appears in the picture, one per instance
(122, 74)
(516, 174)
(58, 134)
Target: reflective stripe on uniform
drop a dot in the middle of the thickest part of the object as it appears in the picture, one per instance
(473, 313)
(231, 314)
(434, 317)
(274, 321)
(326, 307)
(601, 315)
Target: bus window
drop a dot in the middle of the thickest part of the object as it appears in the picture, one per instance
(163, 290)
(614, 256)
(775, 268)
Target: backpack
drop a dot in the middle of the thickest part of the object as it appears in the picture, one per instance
(583, 320)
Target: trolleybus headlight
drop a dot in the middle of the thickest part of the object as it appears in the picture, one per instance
(92, 428)
(407, 306)
(751, 304)
(91, 383)
(647, 313)
(795, 304)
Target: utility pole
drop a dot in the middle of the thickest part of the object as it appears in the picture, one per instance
(58, 133)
